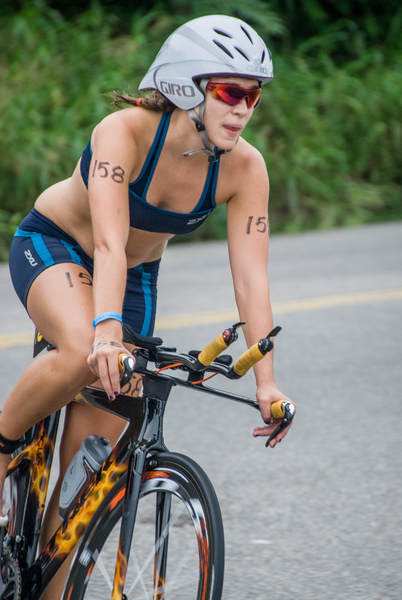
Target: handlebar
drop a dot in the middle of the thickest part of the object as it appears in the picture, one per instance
(197, 364)
(208, 359)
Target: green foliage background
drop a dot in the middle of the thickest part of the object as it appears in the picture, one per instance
(329, 125)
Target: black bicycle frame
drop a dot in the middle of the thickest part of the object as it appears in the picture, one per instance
(30, 469)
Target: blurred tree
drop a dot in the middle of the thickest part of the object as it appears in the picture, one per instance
(72, 8)
(329, 125)
(349, 27)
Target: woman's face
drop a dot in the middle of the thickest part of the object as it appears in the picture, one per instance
(224, 123)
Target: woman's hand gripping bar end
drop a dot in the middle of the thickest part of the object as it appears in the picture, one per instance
(282, 410)
(126, 368)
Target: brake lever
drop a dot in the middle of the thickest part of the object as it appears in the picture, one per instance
(289, 411)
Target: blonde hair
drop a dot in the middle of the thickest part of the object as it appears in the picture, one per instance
(154, 101)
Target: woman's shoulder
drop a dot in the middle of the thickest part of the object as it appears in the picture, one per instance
(243, 173)
(250, 156)
(245, 165)
(133, 124)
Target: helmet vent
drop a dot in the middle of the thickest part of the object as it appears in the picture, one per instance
(263, 56)
(220, 32)
(242, 53)
(247, 34)
(222, 47)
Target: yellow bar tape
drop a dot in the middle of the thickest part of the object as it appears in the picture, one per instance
(247, 360)
(121, 365)
(277, 411)
(211, 351)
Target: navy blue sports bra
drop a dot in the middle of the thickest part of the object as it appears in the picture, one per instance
(150, 218)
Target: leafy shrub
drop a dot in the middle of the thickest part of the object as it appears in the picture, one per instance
(329, 126)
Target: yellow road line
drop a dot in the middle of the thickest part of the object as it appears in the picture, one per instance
(230, 314)
(285, 306)
(338, 300)
(16, 339)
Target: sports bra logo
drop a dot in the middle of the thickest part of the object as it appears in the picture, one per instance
(198, 219)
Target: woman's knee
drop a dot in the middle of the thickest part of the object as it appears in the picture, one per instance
(72, 359)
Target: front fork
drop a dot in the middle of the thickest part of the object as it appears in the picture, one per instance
(130, 506)
(151, 439)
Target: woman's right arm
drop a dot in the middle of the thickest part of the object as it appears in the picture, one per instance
(112, 161)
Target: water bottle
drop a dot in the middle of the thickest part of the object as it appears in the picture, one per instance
(86, 463)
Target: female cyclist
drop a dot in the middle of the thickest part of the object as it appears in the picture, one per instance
(88, 254)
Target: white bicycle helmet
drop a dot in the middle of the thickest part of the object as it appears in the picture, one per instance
(200, 49)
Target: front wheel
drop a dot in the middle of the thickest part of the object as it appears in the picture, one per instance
(178, 543)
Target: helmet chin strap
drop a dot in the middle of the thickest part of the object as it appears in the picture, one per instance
(213, 154)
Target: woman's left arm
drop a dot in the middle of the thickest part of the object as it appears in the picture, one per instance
(248, 240)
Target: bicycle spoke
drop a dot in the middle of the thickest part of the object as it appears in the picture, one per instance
(100, 563)
(174, 580)
(140, 579)
(151, 556)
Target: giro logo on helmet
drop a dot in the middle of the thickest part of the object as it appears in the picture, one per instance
(257, 70)
(174, 89)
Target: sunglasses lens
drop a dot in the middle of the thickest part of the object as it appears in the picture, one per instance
(234, 95)
(230, 95)
(253, 97)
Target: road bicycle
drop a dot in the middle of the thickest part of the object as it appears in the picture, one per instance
(157, 507)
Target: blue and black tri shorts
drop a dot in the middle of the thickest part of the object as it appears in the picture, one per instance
(38, 244)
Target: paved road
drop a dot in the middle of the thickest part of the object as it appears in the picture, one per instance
(320, 517)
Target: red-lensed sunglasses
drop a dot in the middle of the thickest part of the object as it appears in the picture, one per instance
(234, 94)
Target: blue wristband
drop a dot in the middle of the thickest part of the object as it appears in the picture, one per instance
(106, 315)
